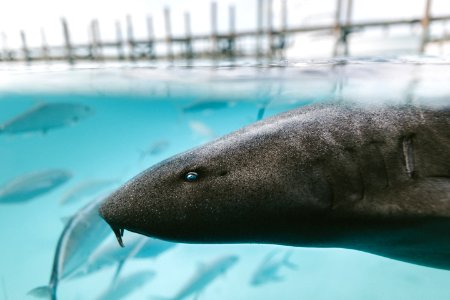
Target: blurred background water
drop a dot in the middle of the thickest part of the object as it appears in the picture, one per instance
(138, 116)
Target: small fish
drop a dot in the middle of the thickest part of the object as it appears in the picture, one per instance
(86, 189)
(205, 106)
(109, 253)
(155, 148)
(43, 117)
(127, 285)
(204, 276)
(83, 233)
(201, 129)
(32, 185)
(269, 268)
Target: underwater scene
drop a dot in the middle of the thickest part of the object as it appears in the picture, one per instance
(69, 136)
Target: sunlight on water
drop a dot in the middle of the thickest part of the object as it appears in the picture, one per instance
(139, 116)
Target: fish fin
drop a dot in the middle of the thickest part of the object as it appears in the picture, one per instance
(420, 240)
(118, 270)
(288, 263)
(42, 292)
(260, 114)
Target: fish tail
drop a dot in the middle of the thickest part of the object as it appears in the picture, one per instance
(288, 263)
(43, 292)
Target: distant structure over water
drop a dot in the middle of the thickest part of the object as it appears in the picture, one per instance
(265, 41)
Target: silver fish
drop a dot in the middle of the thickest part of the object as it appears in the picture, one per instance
(110, 254)
(86, 189)
(83, 233)
(127, 285)
(205, 106)
(154, 149)
(269, 268)
(32, 185)
(204, 276)
(43, 117)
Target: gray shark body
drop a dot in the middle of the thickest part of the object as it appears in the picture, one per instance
(373, 178)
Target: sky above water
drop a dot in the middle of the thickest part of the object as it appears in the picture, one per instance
(33, 16)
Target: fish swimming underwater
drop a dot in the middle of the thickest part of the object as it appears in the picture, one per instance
(269, 268)
(109, 254)
(86, 189)
(33, 185)
(204, 276)
(374, 178)
(127, 285)
(83, 233)
(43, 117)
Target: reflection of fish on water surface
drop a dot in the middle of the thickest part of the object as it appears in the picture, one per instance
(205, 275)
(86, 189)
(32, 185)
(83, 233)
(269, 268)
(109, 253)
(44, 117)
(125, 286)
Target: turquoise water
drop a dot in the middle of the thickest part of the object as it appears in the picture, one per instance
(143, 115)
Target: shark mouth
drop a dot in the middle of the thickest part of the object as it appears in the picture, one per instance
(119, 234)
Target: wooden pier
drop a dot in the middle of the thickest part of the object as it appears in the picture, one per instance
(269, 42)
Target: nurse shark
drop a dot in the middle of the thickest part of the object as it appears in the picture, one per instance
(374, 178)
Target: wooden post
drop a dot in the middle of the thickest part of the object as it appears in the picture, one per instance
(25, 50)
(259, 23)
(188, 33)
(284, 22)
(151, 37)
(68, 45)
(214, 49)
(168, 33)
(269, 27)
(94, 45)
(119, 38)
(6, 54)
(425, 26)
(97, 39)
(337, 27)
(130, 38)
(348, 22)
(232, 26)
(45, 54)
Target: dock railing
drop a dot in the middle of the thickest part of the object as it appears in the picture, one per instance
(269, 42)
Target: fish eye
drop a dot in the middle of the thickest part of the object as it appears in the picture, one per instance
(191, 176)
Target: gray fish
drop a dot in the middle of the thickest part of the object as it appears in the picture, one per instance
(374, 178)
(32, 185)
(268, 270)
(83, 233)
(155, 148)
(109, 254)
(205, 275)
(86, 189)
(205, 106)
(125, 286)
(43, 117)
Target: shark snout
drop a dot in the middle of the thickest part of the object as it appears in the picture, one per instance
(113, 213)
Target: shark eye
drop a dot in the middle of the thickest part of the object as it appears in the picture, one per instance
(191, 176)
